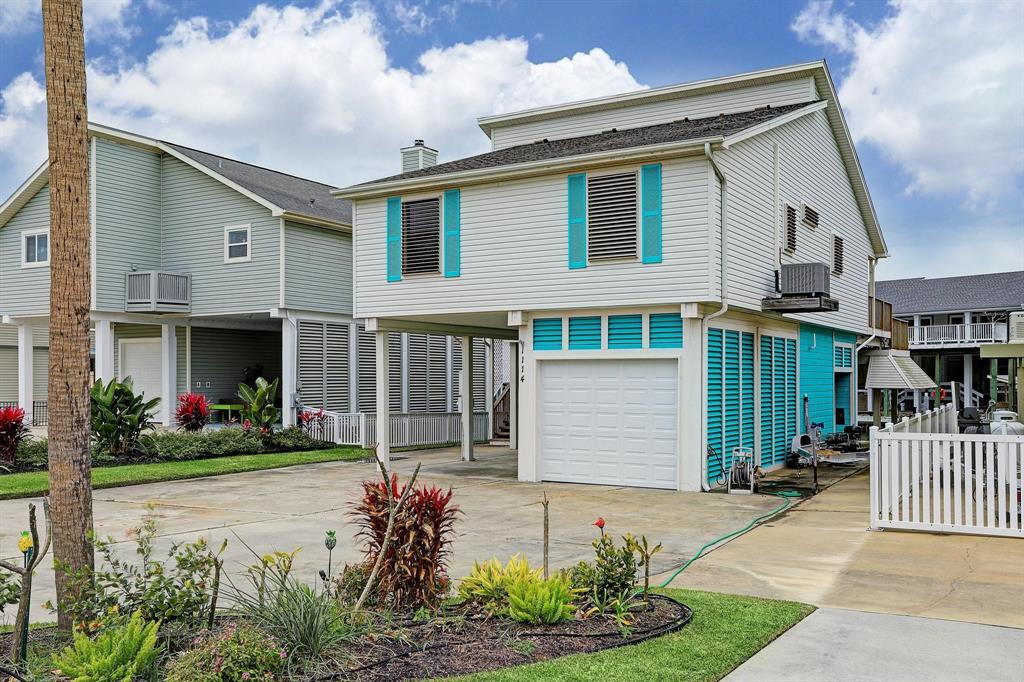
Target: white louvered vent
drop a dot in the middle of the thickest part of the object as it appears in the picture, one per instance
(810, 216)
(1017, 326)
(418, 372)
(479, 375)
(311, 362)
(323, 365)
(395, 372)
(367, 361)
(611, 216)
(336, 385)
(421, 236)
(837, 255)
(453, 370)
(790, 228)
(437, 381)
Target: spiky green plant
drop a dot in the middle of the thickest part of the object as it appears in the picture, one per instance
(258, 403)
(488, 582)
(119, 416)
(121, 653)
(541, 602)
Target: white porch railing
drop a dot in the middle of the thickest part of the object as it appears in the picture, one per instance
(958, 334)
(926, 476)
(407, 429)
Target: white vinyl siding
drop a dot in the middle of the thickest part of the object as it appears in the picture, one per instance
(611, 216)
(318, 269)
(513, 242)
(790, 91)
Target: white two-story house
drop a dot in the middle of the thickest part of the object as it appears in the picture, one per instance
(677, 270)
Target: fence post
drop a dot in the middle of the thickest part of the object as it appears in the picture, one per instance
(874, 473)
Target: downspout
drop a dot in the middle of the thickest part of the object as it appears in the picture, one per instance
(724, 232)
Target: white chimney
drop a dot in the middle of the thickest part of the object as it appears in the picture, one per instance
(418, 156)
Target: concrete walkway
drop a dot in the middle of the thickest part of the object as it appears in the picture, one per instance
(821, 552)
(288, 508)
(852, 646)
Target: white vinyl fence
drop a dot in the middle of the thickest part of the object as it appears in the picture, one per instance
(926, 476)
(407, 429)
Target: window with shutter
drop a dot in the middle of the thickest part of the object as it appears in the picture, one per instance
(790, 228)
(421, 236)
(810, 216)
(837, 255)
(611, 216)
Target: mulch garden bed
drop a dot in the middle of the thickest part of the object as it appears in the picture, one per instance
(462, 644)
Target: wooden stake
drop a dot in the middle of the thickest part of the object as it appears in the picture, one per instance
(547, 535)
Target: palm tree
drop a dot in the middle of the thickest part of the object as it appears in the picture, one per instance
(70, 295)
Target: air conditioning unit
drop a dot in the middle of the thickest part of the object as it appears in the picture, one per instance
(1017, 326)
(804, 279)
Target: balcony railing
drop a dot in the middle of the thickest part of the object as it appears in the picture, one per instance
(958, 334)
(157, 292)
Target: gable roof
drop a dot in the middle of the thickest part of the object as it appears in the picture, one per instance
(684, 130)
(994, 291)
(284, 195)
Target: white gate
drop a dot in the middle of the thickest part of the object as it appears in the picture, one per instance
(946, 482)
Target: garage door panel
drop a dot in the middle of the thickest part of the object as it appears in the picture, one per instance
(611, 422)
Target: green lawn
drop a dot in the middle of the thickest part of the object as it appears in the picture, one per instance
(33, 483)
(725, 631)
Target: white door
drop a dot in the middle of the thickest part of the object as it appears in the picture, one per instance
(612, 422)
(140, 360)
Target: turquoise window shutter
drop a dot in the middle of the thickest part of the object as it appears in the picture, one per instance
(665, 330)
(585, 333)
(394, 239)
(625, 331)
(650, 213)
(577, 198)
(547, 333)
(452, 245)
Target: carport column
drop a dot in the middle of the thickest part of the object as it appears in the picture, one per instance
(466, 398)
(104, 333)
(289, 370)
(25, 350)
(168, 372)
(513, 395)
(968, 400)
(383, 395)
(691, 394)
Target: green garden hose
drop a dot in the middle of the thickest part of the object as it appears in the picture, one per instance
(786, 495)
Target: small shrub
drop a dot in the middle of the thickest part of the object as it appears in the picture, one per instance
(119, 416)
(193, 412)
(121, 653)
(239, 652)
(614, 567)
(13, 431)
(541, 602)
(33, 453)
(178, 445)
(294, 438)
(349, 584)
(413, 571)
(258, 404)
(488, 582)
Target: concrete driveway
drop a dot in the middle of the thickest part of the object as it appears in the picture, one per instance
(292, 507)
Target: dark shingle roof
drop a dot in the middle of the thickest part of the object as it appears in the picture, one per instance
(676, 131)
(288, 192)
(996, 291)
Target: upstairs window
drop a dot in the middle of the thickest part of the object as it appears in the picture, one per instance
(811, 217)
(421, 236)
(837, 255)
(790, 228)
(237, 240)
(612, 216)
(35, 249)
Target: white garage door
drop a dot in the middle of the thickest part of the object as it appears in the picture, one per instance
(612, 422)
(140, 360)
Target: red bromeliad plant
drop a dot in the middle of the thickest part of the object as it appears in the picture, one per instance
(313, 421)
(413, 572)
(13, 430)
(193, 411)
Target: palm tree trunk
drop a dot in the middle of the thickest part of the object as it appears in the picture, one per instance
(70, 293)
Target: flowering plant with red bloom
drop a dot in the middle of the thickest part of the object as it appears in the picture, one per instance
(13, 430)
(600, 524)
(193, 412)
(313, 421)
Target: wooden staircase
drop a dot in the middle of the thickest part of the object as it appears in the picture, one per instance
(501, 413)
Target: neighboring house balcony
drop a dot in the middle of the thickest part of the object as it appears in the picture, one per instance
(957, 335)
(158, 292)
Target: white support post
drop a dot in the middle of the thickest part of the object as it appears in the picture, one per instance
(104, 334)
(383, 400)
(968, 399)
(353, 367)
(466, 398)
(289, 369)
(967, 326)
(513, 396)
(691, 399)
(26, 348)
(168, 372)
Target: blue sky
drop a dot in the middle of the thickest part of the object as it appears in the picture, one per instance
(332, 89)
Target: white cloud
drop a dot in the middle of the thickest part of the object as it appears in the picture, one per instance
(311, 91)
(412, 18)
(22, 130)
(974, 249)
(17, 16)
(936, 86)
(103, 19)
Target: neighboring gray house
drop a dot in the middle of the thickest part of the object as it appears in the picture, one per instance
(203, 268)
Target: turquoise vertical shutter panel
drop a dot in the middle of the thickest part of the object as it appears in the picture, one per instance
(577, 197)
(778, 398)
(547, 333)
(584, 333)
(650, 213)
(665, 330)
(768, 406)
(625, 331)
(394, 239)
(747, 384)
(452, 221)
(713, 426)
(730, 390)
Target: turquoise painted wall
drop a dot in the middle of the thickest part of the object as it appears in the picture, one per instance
(816, 376)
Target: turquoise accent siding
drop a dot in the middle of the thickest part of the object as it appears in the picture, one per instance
(625, 331)
(584, 333)
(452, 229)
(730, 396)
(577, 200)
(547, 333)
(665, 330)
(817, 380)
(843, 399)
(650, 213)
(394, 239)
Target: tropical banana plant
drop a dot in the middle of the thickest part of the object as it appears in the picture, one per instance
(119, 416)
(258, 404)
